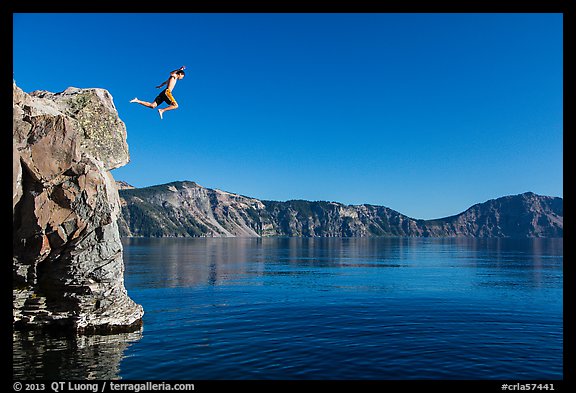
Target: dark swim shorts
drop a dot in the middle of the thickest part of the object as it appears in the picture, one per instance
(165, 96)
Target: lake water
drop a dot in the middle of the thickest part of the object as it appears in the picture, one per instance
(291, 308)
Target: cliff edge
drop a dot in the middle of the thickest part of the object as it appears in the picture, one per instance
(68, 270)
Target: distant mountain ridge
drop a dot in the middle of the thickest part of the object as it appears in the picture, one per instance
(186, 209)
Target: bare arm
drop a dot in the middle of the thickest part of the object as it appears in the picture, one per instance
(173, 73)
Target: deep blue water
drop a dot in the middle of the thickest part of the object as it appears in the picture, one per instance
(290, 308)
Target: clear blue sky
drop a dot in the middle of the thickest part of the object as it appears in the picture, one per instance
(427, 114)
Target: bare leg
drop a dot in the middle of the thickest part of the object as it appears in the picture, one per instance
(146, 104)
(168, 108)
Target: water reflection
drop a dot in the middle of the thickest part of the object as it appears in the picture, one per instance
(176, 262)
(188, 262)
(346, 308)
(386, 308)
(39, 355)
(508, 262)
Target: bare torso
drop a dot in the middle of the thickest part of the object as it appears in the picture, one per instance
(171, 83)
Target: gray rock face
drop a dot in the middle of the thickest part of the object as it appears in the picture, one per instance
(67, 255)
(187, 209)
(523, 215)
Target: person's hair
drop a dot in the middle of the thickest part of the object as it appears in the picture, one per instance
(180, 72)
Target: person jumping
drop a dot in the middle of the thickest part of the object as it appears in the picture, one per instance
(166, 94)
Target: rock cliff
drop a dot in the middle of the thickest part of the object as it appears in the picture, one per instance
(187, 209)
(67, 255)
(523, 215)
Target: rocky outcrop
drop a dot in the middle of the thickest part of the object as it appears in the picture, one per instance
(67, 255)
(332, 219)
(122, 185)
(187, 209)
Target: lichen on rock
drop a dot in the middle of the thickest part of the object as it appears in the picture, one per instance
(67, 254)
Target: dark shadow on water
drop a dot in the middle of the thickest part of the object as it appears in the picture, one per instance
(38, 355)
